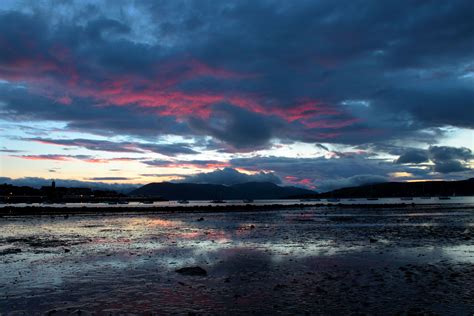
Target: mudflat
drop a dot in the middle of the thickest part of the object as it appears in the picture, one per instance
(314, 260)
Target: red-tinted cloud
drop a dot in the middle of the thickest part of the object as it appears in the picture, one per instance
(45, 157)
(306, 182)
(54, 75)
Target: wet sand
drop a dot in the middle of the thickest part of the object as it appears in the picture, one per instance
(316, 260)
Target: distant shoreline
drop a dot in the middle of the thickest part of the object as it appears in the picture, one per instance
(85, 210)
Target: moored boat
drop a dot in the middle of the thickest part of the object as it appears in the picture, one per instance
(217, 201)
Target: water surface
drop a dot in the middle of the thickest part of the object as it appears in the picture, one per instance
(315, 260)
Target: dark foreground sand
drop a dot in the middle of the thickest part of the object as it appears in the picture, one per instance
(320, 260)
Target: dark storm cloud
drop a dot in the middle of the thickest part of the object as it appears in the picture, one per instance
(335, 44)
(449, 166)
(443, 153)
(450, 159)
(433, 103)
(445, 159)
(229, 176)
(314, 71)
(239, 128)
(102, 28)
(414, 156)
(22, 36)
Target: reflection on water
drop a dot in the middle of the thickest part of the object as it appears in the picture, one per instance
(465, 200)
(154, 222)
(277, 258)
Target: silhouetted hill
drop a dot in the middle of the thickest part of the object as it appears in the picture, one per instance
(24, 194)
(402, 189)
(193, 191)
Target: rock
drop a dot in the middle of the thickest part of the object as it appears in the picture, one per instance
(279, 287)
(372, 240)
(192, 271)
(67, 250)
(200, 219)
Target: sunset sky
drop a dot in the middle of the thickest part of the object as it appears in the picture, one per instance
(318, 94)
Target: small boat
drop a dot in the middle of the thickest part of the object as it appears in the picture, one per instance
(444, 198)
(122, 202)
(183, 202)
(333, 200)
(310, 200)
(425, 197)
(372, 199)
(217, 201)
(248, 201)
(112, 203)
(147, 202)
(406, 198)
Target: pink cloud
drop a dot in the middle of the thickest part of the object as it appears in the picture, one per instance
(45, 157)
(161, 92)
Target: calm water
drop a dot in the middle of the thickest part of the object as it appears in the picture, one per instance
(317, 260)
(467, 200)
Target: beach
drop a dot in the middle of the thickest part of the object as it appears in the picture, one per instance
(299, 260)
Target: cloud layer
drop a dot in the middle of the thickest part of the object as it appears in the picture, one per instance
(238, 77)
(260, 70)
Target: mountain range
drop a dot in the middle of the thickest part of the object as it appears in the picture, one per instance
(400, 189)
(194, 191)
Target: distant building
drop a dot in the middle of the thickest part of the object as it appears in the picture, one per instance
(50, 191)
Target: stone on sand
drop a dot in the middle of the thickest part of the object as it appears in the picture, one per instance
(192, 271)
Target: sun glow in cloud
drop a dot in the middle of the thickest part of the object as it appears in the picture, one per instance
(402, 174)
